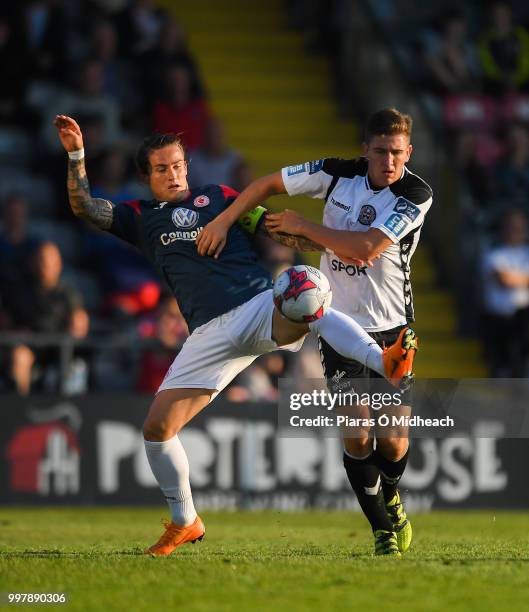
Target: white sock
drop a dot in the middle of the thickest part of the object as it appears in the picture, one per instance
(349, 339)
(169, 464)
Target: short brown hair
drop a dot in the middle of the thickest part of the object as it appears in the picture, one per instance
(152, 143)
(388, 121)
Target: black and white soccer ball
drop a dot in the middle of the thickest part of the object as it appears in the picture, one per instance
(302, 294)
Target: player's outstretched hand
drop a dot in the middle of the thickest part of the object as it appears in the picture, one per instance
(69, 132)
(287, 222)
(212, 238)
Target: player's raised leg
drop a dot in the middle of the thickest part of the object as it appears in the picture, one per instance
(350, 340)
(170, 411)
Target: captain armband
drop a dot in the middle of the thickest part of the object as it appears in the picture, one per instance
(251, 220)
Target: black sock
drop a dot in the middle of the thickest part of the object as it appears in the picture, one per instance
(363, 473)
(391, 472)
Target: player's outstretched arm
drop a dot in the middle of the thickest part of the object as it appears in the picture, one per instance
(252, 222)
(363, 246)
(95, 210)
(212, 238)
(299, 243)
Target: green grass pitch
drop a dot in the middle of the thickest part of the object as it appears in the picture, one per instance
(265, 561)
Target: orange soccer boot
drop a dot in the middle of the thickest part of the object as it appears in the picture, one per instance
(175, 535)
(398, 359)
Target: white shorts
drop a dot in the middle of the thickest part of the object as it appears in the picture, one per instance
(217, 351)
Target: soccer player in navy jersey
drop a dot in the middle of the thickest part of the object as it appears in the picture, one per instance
(226, 299)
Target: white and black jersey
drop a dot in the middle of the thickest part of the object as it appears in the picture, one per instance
(379, 298)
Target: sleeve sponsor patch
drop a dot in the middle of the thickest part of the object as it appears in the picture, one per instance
(298, 169)
(315, 166)
(311, 167)
(406, 208)
(396, 224)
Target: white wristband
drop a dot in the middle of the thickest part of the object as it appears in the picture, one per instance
(77, 155)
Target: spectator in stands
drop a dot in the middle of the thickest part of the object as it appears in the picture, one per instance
(86, 100)
(476, 156)
(214, 162)
(117, 73)
(161, 345)
(452, 62)
(504, 52)
(139, 27)
(14, 75)
(46, 305)
(98, 113)
(242, 175)
(16, 244)
(394, 13)
(111, 180)
(170, 49)
(179, 112)
(260, 381)
(128, 282)
(506, 299)
(512, 174)
(42, 29)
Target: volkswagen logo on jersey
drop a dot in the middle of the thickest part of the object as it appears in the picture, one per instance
(367, 214)
(201, 201)
(185, 218)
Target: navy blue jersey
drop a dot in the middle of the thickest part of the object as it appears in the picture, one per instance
(166, 231)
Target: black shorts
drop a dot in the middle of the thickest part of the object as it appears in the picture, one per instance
(338, 370)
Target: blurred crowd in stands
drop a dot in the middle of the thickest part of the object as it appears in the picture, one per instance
(121, 69)
(469, 65)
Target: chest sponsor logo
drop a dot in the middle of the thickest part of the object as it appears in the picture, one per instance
(184, 218)
(396, 224)
(339, 204)
(189, 236)
(367, 214)
(315, 166)
(349, 269)
(406, 208)
(201, 201)
(298, 169)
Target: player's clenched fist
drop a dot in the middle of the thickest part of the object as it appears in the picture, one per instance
(69, 133)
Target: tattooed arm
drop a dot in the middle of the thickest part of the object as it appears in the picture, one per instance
(294, 242)
(95, 210)
(302, 243)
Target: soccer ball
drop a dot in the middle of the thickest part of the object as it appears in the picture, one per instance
(302, 294)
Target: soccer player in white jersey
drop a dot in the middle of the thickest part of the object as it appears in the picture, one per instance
(373, 214)
(226, 300)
